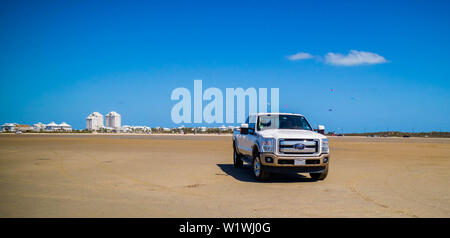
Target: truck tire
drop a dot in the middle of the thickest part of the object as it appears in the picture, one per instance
(237, 161)
(319, 176)
(258, 170)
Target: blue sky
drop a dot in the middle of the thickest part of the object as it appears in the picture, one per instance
(60, 61)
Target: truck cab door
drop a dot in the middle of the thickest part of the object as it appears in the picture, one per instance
(251, 137)
(248, 140)
(243, 140)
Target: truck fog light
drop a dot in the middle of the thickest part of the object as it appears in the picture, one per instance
(269, 160)
(325, 160)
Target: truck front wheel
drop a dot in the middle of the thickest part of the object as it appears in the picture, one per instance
(258, 170)
(319, 176)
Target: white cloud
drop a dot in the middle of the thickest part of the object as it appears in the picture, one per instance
(300, 56)
(354, 57)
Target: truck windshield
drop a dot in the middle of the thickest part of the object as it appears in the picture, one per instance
(283, 122)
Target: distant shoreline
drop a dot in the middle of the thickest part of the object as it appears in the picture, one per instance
(352, 135)
(433, 134)
(116, 134)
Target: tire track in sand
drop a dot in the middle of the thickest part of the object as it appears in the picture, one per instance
(355, 190)
(151, 186)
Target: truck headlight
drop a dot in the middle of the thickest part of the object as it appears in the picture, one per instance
(267, 144)
(325, 148)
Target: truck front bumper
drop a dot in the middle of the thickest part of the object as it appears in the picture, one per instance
(285, 164)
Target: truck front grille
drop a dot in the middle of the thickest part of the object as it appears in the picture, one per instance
(298, 146)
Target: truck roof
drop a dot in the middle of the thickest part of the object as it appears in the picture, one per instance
(274, 113)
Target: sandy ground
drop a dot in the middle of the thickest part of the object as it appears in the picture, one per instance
(193, 176)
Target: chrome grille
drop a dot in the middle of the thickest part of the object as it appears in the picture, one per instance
(298, 146)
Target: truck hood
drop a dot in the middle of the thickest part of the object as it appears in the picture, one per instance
(291, 134)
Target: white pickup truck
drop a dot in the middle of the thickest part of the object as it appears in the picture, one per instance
(279, 143)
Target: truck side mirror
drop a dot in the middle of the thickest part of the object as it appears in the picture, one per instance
(244, 129)
(321, 129)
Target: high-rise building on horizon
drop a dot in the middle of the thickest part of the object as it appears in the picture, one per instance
(113, 120)
(94, 121)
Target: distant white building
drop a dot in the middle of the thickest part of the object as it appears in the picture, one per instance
(113, 120)
(108, 129)
(126, 129)
(38, 126)
(12, 127)
(65, 127)
(94, 121)
(136, 129)
(9, 127)
(141, 129)
(21, 127)
(52, 126)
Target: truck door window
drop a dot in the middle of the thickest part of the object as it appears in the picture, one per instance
(251, 121)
